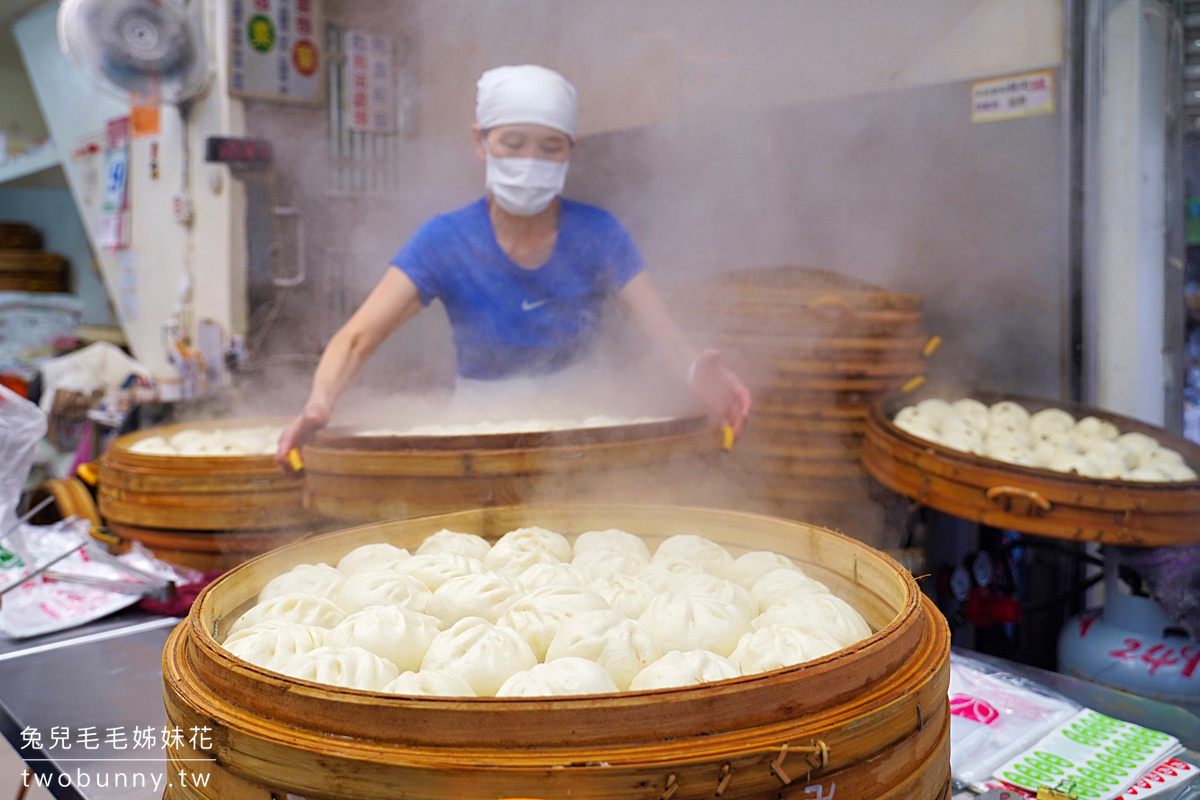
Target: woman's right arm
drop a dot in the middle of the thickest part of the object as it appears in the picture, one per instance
(391, 303)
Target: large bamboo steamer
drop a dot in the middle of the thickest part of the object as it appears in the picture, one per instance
(71, 499)
(871, 719)
(208, 512)
(369, 478)
(19, 236)
(1032, 500)
(23, 270)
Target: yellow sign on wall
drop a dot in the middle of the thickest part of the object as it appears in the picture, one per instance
(1013, 96)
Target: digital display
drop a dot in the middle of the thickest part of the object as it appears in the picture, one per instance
(244, 152)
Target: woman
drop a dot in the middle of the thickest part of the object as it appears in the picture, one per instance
(522, 272)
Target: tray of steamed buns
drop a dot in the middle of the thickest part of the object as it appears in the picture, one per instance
(635, 633)
(204, 475)
(1055, 469)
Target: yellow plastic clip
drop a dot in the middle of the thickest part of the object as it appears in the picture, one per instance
(727, 437)
(294, 460)
(913, 383)
(102, 535)
(1046, 793)
(88, 473)
(933, 344)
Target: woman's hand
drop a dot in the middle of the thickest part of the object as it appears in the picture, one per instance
(720, 390)
(300, 432)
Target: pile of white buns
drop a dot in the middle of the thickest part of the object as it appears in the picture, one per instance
(261, 440)
(537, 615)
(1050, 439)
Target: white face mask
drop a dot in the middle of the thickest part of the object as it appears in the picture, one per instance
(524, 186)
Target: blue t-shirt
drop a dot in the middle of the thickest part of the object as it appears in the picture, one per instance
(512, 321)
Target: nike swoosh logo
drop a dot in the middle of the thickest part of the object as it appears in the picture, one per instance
(528, 306)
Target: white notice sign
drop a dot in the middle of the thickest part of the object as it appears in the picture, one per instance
(275, 50)
(369, 83)
(1013, 96)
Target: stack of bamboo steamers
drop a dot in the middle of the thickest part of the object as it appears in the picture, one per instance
(24, 266)
(208, 512)
(817, 350)
(870, 721)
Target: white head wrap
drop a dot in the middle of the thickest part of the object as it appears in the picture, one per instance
(526, 94)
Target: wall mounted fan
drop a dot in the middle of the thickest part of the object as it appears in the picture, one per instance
(146, 50)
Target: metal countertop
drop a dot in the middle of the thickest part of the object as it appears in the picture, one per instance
(102, 682)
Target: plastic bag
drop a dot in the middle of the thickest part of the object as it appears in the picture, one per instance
(994, 716)
(22, 426)
(44, 604)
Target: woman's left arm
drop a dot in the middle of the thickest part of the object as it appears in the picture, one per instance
(718, 388)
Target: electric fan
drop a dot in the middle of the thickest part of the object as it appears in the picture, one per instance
(147, 50)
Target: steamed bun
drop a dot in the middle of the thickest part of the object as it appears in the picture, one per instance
(538, 616)
(487, 596)
(480, 653)
(463, 544)
(378, 557)
(348, 667)
(611, 539)
(973, 413)
(598, 562)
(273, 644)
(321, 580)
(540, 576)
(434, 569)
(398, 634)
(624, 593)
(623, 647)
(689, 622)
(709, 556)
(564, 676)
(824, 611)
(381, 589)
(749, 567)
(1050, 420)
(532, 539)
(430, 682)
(706, 585)
(778, 646)
(303, 609)
(781, 586)
(684, 668)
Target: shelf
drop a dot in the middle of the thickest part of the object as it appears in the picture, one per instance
(43, 159)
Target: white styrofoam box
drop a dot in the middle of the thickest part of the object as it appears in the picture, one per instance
(30, 321)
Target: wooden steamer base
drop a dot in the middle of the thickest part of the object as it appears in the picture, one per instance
(1031, 500)
(207, 512)
(372, 478)
(868, 722)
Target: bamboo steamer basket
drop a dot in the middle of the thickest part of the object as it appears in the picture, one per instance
(19, 236)
(71, 499)
(23, 270)
(369, 478)
(871, 719)
(1031, 500)
(818, 349)
(208, 512)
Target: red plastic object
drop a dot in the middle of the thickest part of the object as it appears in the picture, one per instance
(985, 608)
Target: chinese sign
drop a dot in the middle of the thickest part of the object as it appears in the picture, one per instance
(1012, 97)
(370, 92)
(275, 50)
(113, 230)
